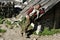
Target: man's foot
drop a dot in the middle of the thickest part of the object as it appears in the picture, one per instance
(22, 34)
(28, 37)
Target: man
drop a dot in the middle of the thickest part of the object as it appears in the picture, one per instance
(33, 16)
(32, 13)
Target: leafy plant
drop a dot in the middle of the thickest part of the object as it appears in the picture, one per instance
(23, 21)
(46, 32)
(2, 31)
(8, 22)
(1, 21)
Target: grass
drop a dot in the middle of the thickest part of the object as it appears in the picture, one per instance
(49, 32)
(8, 22)
(2, 31)
(1, 21)
(23, 21)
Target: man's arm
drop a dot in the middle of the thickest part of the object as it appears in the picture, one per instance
(37, 13)
(32, 13)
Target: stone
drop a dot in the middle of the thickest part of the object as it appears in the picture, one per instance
(1, 39)
(34, 39)
(1, 34)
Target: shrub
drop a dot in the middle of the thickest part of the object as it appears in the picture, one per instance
(8, 22)
(2, 31)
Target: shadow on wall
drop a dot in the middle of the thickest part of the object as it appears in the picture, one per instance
(52, 18)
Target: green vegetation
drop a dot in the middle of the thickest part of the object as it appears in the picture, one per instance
(49, 32)
(2, 31)
(1, 21)
(23, 21)
(30, 27)
(8, 22)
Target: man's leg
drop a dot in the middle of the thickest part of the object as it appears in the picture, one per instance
(26, 28)
(38, 29)
(25, 25)
(31, 31)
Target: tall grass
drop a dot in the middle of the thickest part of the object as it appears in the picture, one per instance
(49, 32)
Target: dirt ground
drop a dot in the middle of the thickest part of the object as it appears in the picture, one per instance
(15, 34)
